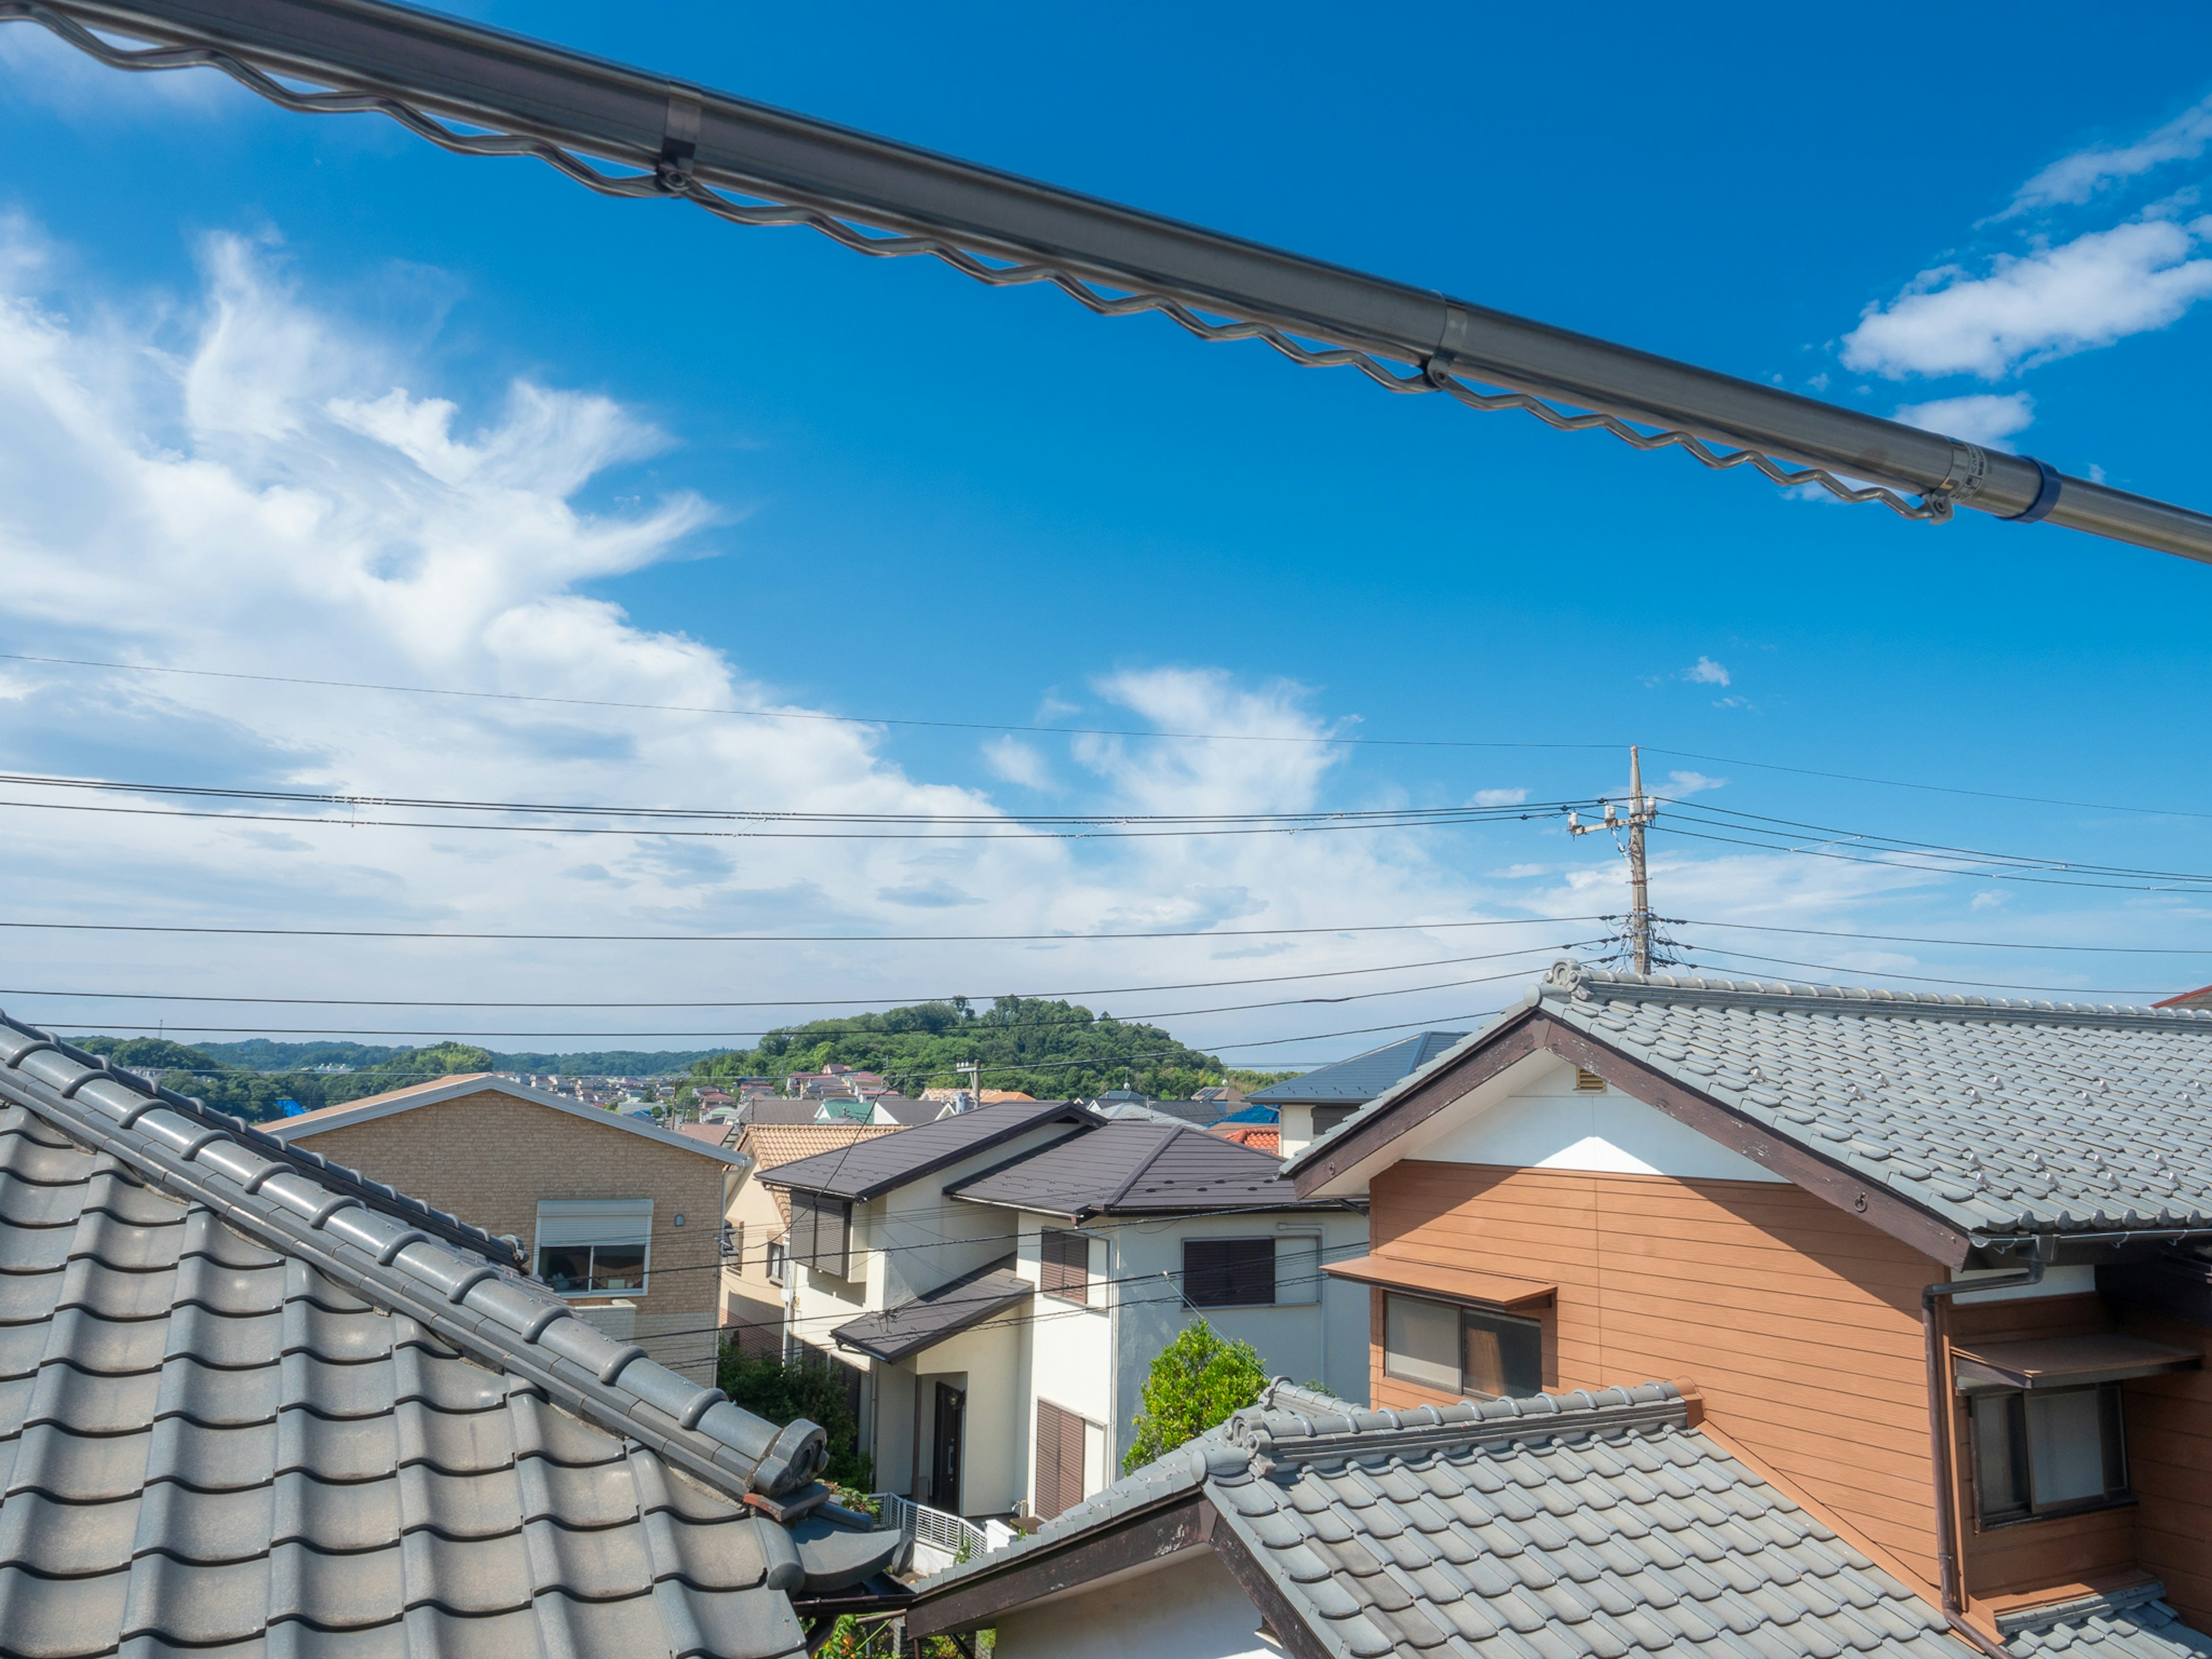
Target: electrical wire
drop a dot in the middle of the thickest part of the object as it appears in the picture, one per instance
(1923, 868)
(1924, 979)
(1963, 943)
(824, 1002)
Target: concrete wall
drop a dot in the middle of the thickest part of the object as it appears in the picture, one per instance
(489, 1157)
(1186, 1606)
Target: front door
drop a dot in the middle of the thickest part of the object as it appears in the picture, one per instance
(946, 1446)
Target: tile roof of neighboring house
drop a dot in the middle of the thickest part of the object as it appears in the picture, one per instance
(1360, 1078)
(907, 1113)
(2200, 998)
(892, 1335)
(714, 1134)
(1132, 1167)
(775, 1108)
(863, 1172)
(1563, 1525)
(242, 1409)
(771, 1143)
(369, 1108)
(1202, 1114)
(1999, 1117)
(2132, 1623)
(993, 1096)
(1260, 1137)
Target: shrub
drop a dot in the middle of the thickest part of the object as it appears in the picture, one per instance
(1197, 1381)
(783, 1391)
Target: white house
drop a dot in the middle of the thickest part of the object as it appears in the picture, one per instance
(1314, 1103)
(1007, 1277)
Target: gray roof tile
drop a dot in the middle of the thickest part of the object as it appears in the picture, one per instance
(2132, 1623)
(234, 1413)
(2002, 1117)
(867, 1168)
(1382, 1529)
(1134, 1166)
(1360, 1079)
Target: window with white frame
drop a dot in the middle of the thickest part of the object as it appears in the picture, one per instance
(594, 1246)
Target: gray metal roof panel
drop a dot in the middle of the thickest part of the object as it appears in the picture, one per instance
(235, 1403)
(1360, 1079)
(890, 1334)
(1559, 1526)
(1134, 1165)
(867, 1168)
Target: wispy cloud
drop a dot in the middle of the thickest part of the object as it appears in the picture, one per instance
(1499, 797)
(2072, 179)
(1986, 418)
(1016, 762)
(1705, 671)
(1690, 783)
(2027, 309)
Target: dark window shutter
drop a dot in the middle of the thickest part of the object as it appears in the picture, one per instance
(1229, 1273)
(1064, 1264)
(821, 1231)
(1059, 1459)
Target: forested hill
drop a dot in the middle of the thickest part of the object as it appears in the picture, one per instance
(260, 1054)
(1053, 1050)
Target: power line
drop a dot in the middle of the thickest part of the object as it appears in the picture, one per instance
(794, 939)
(1923, 868)
(1963, 943)
(816, 1002)
(1928, 979)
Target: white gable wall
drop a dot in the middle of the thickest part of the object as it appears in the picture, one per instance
(1185, 1608)
(1539, 1120)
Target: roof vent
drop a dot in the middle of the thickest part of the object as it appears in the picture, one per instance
(1587, 1082)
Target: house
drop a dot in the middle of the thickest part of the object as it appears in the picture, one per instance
(1937, 1265)
(755, 1237)
(1612, 1524)
(618, 1215)
(895, 1110)
(254, 1401)
(1260, 1137)
(1001, 1281)
(1314, 1103)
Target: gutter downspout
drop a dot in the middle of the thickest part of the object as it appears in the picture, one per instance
(1940, 1412)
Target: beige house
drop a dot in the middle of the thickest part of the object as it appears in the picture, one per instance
(621, 1216)
(756, 1282)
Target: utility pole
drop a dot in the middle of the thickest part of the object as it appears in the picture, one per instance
(973, 1071)
(1641, 810)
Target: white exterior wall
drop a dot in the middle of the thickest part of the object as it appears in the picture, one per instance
(990, 1363)
(1186, 1606)
(1539, 1120)
(1295, 1126)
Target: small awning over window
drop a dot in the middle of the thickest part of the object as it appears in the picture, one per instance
(2066, 1362)
(1445, 1284)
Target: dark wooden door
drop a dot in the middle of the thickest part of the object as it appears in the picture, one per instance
(945, 1447)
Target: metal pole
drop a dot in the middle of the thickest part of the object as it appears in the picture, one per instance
(1639, 881)
(533, 99)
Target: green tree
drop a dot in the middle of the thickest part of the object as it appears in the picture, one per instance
(1197, 1381)
(783, 1391)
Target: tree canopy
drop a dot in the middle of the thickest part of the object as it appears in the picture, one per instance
(1053, 1050)
(1197, 1381)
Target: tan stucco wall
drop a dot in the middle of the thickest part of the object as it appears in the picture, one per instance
(489, 1157)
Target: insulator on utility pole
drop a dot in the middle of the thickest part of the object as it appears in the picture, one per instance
(1642, 809)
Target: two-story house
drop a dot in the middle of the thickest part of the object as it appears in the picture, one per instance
(1314, 1103)
(620, 1217)
(1005, 1277)
(1913, 1286)
(755, 1233)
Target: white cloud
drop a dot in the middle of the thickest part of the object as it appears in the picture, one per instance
(1985, 418)
(1705, 671)
(1689, 783)
(1016, 762)
(1498, 796)
(2074, 178)
(2098, 288)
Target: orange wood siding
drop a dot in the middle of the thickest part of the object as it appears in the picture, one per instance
(1800, 1324)
(2170, 1466)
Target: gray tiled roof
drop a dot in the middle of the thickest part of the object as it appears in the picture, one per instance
(1360, 1078)
(867, 1168)
(890, 1334)
(2132, 1624)
(240, 1408)
(1134, 1166)
(1555, 1527)
(2002, 1117)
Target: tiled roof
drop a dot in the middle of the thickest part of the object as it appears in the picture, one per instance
(772, 1144)
(1261, 1137)
(714, 1134)
(892, 1335)
(241, 1409)
(864, 1170)
(1360, 1078)
(1555, 1527)
(2133, 1625)
(1130, 1166)
(2002, 1117)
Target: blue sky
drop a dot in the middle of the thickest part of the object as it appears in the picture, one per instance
(308, 397)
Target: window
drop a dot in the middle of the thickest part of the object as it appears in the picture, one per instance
(594, 1246)
(1229, 1273)
(1326, 1118)
(1460, 1351)
(1064, 1263)
(2045, 1454)
(822, 1233)
(778, 1254)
